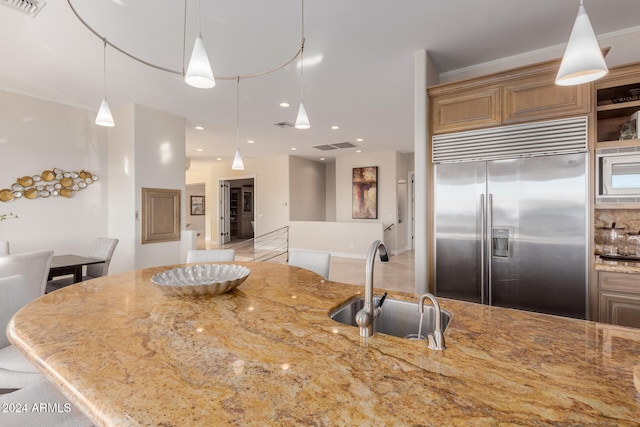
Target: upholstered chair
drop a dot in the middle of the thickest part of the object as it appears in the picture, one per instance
(211, 255)
(318, 262)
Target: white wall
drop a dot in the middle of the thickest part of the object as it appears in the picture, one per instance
(342, 239)
(330, 186)
(271, 189)
(386, 163)
(146, 149)
(194, 222)
(307, 190)
(38, 135)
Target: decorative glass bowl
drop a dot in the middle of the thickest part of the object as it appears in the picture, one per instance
(201, 280)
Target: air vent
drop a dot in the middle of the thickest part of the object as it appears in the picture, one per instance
(29, 7)
(526, 140)
(284, 124)
(325, 147)
(343, 145)
(335, 146)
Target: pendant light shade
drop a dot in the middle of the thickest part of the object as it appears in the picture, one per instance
(582, 61)
(302, 121)
(104, 117)
(199, 73)
(238, 164)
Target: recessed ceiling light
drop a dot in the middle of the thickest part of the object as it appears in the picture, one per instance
(218, 158)
(359, 140)
(293, 148)
(322, 158)
(285, 105)
(250, 141)
(335, 127)
(199, 128)
(358, 151)
(199, 149)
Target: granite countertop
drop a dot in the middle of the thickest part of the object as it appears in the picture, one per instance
(616, 266)
(268, 354)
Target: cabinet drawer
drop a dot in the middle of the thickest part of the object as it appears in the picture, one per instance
(619, 309)
(540, 99)
(466, 110)
(623, 282)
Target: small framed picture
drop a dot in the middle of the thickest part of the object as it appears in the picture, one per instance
(197, 205)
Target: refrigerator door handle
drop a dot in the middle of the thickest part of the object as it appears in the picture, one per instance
(489, 244)
(483, 248)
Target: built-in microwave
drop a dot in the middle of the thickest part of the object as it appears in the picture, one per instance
(618, 175)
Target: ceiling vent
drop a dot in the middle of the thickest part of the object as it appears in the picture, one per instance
(325, 147)
(30, 7)
(335, 146)
(284, 124)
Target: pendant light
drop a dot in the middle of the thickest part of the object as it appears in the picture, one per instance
(238, 164)
(104, 117)
(582, 61)
(302, 120)
(199, 73)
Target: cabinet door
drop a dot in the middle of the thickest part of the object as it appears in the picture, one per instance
(619, 309)
(539, 98)
(473, 109)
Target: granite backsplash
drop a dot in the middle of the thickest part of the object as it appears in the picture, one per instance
(627, 218)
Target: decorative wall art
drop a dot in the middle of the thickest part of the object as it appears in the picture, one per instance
(365, 193)
(160, 215)
(53, 182)
(197, 205)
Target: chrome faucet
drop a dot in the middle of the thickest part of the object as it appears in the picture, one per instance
(436, 339)
(365, 318)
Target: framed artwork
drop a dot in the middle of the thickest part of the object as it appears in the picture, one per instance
(160, 215)
(364, 203)
(197, 205)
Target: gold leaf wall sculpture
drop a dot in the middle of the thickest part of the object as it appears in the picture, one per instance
(53, 182)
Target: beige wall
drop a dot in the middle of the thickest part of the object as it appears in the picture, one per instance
(307, 190)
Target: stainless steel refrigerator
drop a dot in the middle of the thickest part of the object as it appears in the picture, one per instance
(513, 232)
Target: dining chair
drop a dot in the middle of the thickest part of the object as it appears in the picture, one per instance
(4, 247)
(45, 406)
(318, 262)
(103, 248)
(210, 255)
(15, 369)
(34, 266)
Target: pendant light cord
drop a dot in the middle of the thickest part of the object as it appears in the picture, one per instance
(104, 66)
(302, 56)
(238, 113)
(181, 72)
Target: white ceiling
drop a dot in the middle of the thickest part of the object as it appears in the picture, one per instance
(364, 82)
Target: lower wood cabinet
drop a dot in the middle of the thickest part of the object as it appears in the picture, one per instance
(619, 298)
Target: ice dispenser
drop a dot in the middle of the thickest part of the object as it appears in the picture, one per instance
(500, 242)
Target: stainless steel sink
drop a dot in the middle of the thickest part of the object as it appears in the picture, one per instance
(398, 318)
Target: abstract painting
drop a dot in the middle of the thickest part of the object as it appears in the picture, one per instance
(365, 193)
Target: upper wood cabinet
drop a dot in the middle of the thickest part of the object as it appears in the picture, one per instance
(467, 110)
(515, 96)
(539, 98)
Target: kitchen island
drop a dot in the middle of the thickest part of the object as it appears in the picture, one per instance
(268, 354)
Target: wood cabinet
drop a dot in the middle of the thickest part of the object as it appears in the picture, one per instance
(467, 110)
(619, 298)
(521, 95)
(539, 98)
(617, 98)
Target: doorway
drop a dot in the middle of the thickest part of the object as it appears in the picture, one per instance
(237, 210)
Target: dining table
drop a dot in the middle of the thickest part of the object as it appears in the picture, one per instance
(63, 265)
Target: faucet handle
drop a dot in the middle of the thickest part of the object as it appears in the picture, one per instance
(436, 340)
